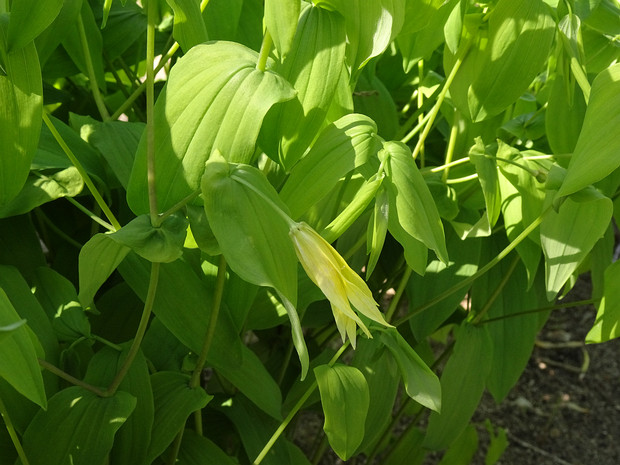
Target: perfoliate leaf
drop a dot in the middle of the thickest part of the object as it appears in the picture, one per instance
(607, 324)
(341, 147)
(215, 98)
(163, 244)
(189, 28)
(21, 94)
(314, 70)
(345, 400)
(411, 203)
(78, 427)
(597, 153)
(462, 384)
(18, 364)
(281, 18)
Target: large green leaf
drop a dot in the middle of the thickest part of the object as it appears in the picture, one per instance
(410, 200)
(189, 28)
(341, 147)
(607, 324)
(78, 427)
(43, 188)
(97, 260)
(597, 152)
(462, 384)
(421, 384)
(281, 17)
(568, 235)
(28, 19)
(18, 364)
(174, 402)
(21, 94)
(345, 400)
(51, 37)
(133, 438)
(314, 70)
(198, 450)
(486, 167)
(183, 305)
(215, 99)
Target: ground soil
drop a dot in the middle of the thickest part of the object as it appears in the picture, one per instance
(565, 409)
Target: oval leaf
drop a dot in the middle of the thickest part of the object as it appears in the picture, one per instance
(281, 18)
(215, 98)
(345, 399)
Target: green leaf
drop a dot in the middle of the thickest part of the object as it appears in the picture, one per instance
(342, 146)
(281, 17)
(222, 18)
(411, 203)
(163, 244)
(520, 36)
(568, 235)
(499, 443)
(18, 364)
(345, 400)
(99, 257)
(183, 304)
(249, 222)
(21, 94)
(607, 323)
(78, 427)
(125, 29)
(462, 384)
(20, 245)
(75, 48)
(314, 71)
(462, 450)
(486, 167)
(409, 450)
(372, 98)
(42, 188)
(377, 230)
(383, 379)
(597, 152)
(59, 299)
(50, 38)
(28, 19)
(198, 450)
(215, 99)
(7, 330)
(438, 278)
(133, 438)
(174, 402)
(421, 384)
(189, 28)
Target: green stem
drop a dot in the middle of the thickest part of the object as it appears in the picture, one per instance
(176, 447)
(466, 282)
(91, 215)
(420, 103)
(463, 179)
(89, 183)
(295, 409)
(13, 434)
(416, 129)
(67, 377)
(144, 321)
(277, 209)
(433, 113)
(497, 291)
(399, 293)
(454, 131)
(60, 233)
(175, 208)
(110, 344)
(578, 303)
(94, 85)
(150, 112)
(265, 49)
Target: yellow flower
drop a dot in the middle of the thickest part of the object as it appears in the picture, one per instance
(340, 284)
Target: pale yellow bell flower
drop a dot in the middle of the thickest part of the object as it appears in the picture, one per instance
(340, 284)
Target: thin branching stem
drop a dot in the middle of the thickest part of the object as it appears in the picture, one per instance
(71, 379)
(13, 434)
(94, 85)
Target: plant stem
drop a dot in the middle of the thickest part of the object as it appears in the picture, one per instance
(67, 377)
(416, 129)
(176, 447)
(178, 205)
(94, 85)
(150, 113)
(265, 49)
(558, 306)
(144, 321)
(454, 131)
(433, 113)
(467, 281)
(13, 434)
(399, 293)
(420, 103)
(110, 344)
(91, 215)
(63, 235)
(295, 409)
(497, 291)
(89, 183)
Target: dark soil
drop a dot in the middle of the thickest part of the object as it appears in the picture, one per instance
(565, 409)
